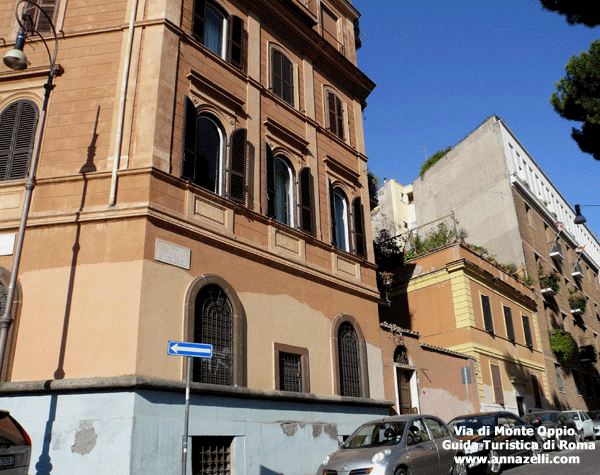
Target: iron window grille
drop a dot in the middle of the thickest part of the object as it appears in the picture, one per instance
(211, 455)
(349, 361)
(290, 372)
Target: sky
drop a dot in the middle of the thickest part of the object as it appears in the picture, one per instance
(442, 67)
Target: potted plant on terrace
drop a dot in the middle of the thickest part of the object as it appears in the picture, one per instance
(577, 301)
(550, 283)
(562, 344)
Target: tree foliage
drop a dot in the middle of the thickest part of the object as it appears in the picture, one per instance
(578, 98)
(431, 161)
(581, 12)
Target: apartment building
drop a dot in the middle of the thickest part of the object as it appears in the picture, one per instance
(509, 206)
(201, 178)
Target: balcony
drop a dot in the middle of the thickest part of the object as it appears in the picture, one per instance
(577, 271)
(556, 251)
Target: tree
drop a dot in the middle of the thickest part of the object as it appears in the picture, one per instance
(577, 11)
(431, 161)
(578, 98)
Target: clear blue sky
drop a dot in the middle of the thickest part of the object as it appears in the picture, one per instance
(443, 67)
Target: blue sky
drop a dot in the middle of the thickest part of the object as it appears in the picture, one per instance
(443, 67)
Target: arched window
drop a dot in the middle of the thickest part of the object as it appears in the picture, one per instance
(221, 33)
(280, 187)
(18, 122)
(215, 315)
(349, 361)
(213, 324)
(338, 205)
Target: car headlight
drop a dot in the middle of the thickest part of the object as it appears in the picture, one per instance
(473, 447)
(326, 460)
(380, 456)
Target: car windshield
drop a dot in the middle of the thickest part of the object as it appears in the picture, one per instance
(571, 416)
(545, 417)
(464, 425)
(376, 434)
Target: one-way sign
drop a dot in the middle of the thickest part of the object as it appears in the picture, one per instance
(184, 348)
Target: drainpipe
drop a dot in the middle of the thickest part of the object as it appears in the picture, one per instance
(119, 141)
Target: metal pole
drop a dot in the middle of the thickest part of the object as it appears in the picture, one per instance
(186, 417)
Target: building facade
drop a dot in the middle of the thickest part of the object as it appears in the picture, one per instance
(458, 300)
(521, 218)
(202, 178)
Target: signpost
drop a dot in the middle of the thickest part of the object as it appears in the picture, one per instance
(466, 380)
(189, 350)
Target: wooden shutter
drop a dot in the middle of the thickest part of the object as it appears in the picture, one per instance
(270, 179)
(17, 135)
(198, 16)
(237, 166)
(236, 43)
(332, 215)
(189, 145)
(488, 320)
(527, 331)
(537, 394)
(49, 6)
(336, 115)
(510, 331)
(307, 214)
(288, 80)
(497, 383)
(359, 228)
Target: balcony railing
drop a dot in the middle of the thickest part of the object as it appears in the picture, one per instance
(577, 271)
(556, 251)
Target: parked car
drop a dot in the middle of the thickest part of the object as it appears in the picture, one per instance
(595, 417)
(585, 425)
(399, 445)
(15, 446)
(552, 425)
(495, 434)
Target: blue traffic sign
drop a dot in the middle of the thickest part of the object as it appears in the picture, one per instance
(184, 348)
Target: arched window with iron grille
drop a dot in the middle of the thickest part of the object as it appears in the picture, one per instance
(349, 361)
(213, 324)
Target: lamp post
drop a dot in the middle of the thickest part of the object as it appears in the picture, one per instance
(579, 218)
(16, 59)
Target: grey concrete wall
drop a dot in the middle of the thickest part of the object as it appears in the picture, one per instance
(473, 181)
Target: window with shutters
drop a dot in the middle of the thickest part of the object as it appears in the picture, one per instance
(537, 391)
(360, 243)
(559, 378)
(497, 384)
(307, 205)
(329, 28)
(282, 76)
(334, 114)
(486, 309)
(508, 320)
(18, 122)
(219, 32)
(527, 331)
(35, 20)
(282, 192)
(203, 155)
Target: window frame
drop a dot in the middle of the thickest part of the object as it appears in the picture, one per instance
(488, 320)
(496, 376)
(288, 192)
(335, 111)
(364, 375)
(302, 353)
(527, 331)
(337, 192)
(277, 79)
(509, 323)
(19, 131)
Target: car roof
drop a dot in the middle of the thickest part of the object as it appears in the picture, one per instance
(403, 418)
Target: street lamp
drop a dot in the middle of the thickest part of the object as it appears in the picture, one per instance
(579, 218)
(16, 59)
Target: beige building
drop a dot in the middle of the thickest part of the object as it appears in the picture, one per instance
(521, 218)
(458, 300)
(202, 178)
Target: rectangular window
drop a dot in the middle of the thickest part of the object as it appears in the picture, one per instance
(211, 455)
(537, 394)
(291, 368)
(559, 380)
(335, 115)
(486, 308)
(575, 374)
(36, 20)
(329, 28)
(510, 331)
(497, 383)
(527, 331)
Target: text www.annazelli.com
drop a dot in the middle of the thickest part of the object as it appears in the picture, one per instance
(473, 460)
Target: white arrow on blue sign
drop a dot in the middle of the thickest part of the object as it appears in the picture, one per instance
(184, 348)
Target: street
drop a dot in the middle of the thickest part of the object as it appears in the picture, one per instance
(589, 464)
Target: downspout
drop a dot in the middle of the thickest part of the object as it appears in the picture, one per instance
(119, 141)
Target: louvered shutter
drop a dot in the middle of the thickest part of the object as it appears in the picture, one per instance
(497, 383)
(43, 25)
(236, 43)
(487, 314)
(332, 215)
(270, 179)
(190, 130)
(306, 201)
(276, 75)
(198, 17)
(510, 331)
(288, 80)
(336, 115)
(527, 331)
(237, 166)
(17, 134)
(359, 228)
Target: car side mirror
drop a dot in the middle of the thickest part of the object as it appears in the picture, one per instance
(536, 422)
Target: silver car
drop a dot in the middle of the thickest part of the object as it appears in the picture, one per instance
(418, 444)
(15, 446)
